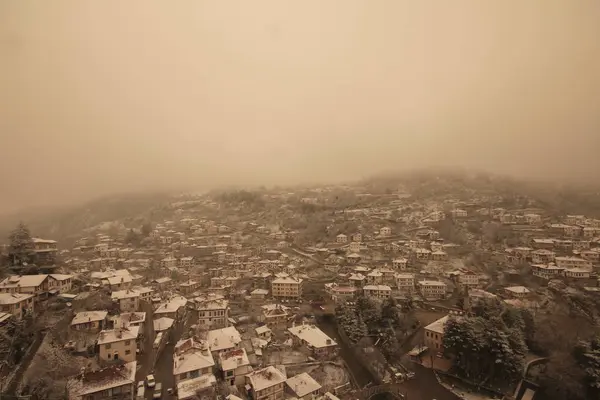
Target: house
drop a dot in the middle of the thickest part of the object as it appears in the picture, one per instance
(321, 345)
(467, 278)
(212, 313)
(59, 283)
(546, 271)
(341, 293)
(432, 290)
(129, 300)
(303, 387)
(458, 213)
(37, 285)
(259, 294)
(533, 219)
(374, 278)
(573, 262)
(263, 332)
(400, 263)
(89, 321)
(405, 283)
(422, 254)
(287, 288)
(172, 308)
(266, 384)
(518, 292)
(162, 283)
(357, 237)
(341, 238)
(385, 231)
(45, 251)
(353, 258)
(542, 256)
(577, 273)
(439, 255)
(131, 319)
(17, 304)
(235, 366)
(275, 316)
(168, 262)
(192, 359)
(116, 382)
(354, 247)
(119, 282)
(189, 286)
(118, 344)
(357, 280)
(223, 340)
(434, 334)
(379, 292)
(186, 262)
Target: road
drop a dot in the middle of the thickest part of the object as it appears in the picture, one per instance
(163, 371)
(425, 386)
(146, 358)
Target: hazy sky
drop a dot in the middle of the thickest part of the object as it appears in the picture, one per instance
(105, 96)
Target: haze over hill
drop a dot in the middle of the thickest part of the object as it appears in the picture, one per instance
(97, 98)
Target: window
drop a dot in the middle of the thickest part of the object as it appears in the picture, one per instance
(107, 346)
(195, 374)
(127, 352)
(127, 342)
(183, 376)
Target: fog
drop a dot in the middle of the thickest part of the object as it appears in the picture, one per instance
(112, 96)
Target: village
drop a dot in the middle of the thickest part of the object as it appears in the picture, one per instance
(330, 292)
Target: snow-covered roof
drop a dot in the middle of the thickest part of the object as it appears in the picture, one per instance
(13, 298)
(88, 316)
(162, 324)
(438, 326)
(233, 359)
(172, 305)
(189, 387)
(312, 335)
(517, 289)
(118, 335)
(287, 280)
(265, 378)
(385, 288)
(223, 339)
(302, 384)
(262, 329)
(24, 281)
(91, 382)
(124, 294)
(61, 277)
(191, 355)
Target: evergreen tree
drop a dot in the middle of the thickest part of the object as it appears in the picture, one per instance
(21, 249)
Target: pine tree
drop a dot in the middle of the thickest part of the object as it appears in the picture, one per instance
(21, 249)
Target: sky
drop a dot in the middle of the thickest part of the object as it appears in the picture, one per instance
(105, 97)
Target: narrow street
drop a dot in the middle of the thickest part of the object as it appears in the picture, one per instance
(146, 357)
(163, 371)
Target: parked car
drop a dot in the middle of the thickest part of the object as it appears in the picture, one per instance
(157, 391)
(150, 382)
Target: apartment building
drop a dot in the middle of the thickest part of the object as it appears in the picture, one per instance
(341, 238)
(286, 288)
(547, 271)
(405, 283)
(432, 290)
(400, 264)
(542, 256)
(377, 292)
(17, 304)
(118, 344)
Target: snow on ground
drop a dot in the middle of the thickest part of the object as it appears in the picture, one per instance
(329, 376)
(285, 357)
